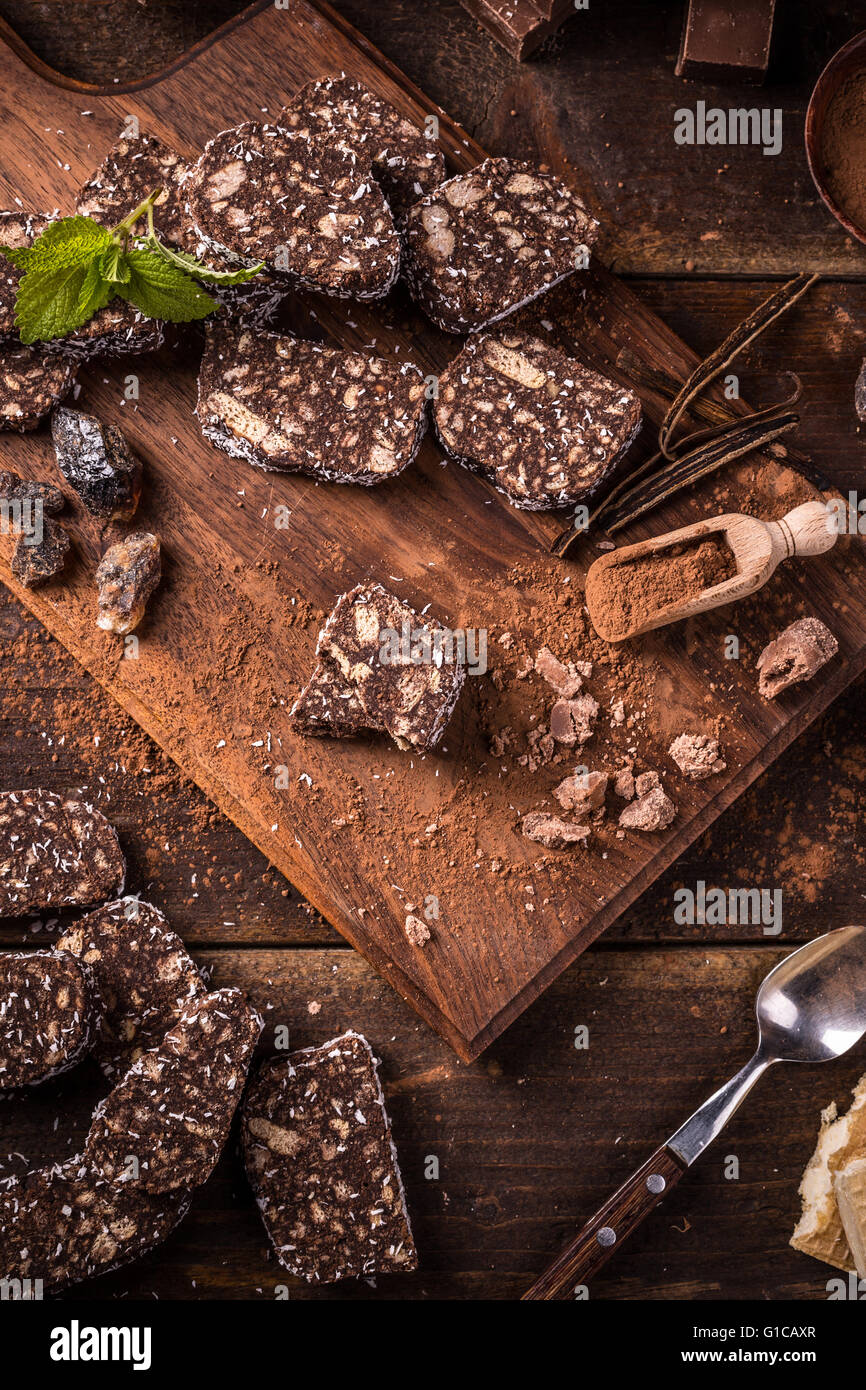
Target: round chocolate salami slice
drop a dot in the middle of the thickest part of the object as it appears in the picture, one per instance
(130, 171)
(308, 208)
(165, 1124)
(49, 1015)
(55, 852)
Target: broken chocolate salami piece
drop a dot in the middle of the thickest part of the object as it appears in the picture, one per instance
(55, 852)
(321, 1161)
(66, 1223)
(545, 430)
(50, 1013)
(295, 406)
(403, 160)
(32, 382)
(381, 668)
(173, 1109)
(484, 243)
(97, 462)
(40, 557)
(126, 578)
(795, 655)
(306, 207)
(145, 976)
(128, 174)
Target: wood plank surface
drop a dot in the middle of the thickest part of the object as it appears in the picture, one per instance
(221, 628)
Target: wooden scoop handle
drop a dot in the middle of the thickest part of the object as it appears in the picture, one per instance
(807, 530)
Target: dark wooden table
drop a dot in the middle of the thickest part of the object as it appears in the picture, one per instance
(536, 1133)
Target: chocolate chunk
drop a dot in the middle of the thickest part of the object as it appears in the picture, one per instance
(97, 462)
(307, 208)
(50, 1012)
(582, 792)
(321, 1161)
(66, 1223)
(624, 783)
(726, 40)
(129, 173)
(484, 243)
(381, 668)
(795, 655)
(565, 680)
(545, 430)
(299, 407)
(144, 974)
(697, 755)
(416, 930)
(172, 1110)
(40, 555)
(126, 577)
(860, 393)
(32, 381)
(552, 831)
(653, 810)
(54, 852)
(14, 489)
(571, 720)
(403, 161)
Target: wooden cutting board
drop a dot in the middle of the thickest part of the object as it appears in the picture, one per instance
(230, 637)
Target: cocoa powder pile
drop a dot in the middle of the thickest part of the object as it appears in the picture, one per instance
(624, 596)
(843, 148)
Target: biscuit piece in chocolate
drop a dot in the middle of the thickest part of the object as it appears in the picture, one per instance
(321, 1161)
(795, 655)
(97, 462)
(173, 1109)
(131, 171)
(306, 207)
(545, 430)
(482, 244)
(144, 973)
(55, 852)
(126, 578)
(381, 668)
(39, 556)
(32, 382)
(298, 407)
(404, 161)
(66, 1223)
(49, 1015)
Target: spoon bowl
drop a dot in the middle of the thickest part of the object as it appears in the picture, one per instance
(812, 1006)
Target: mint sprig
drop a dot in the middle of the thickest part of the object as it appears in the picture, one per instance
(75, 267)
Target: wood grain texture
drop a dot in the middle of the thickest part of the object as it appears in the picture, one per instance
(227, 574)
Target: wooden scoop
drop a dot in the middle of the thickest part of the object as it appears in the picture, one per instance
(757, 546)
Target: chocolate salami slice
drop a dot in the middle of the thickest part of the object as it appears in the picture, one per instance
(404, 162)
(484, 243)
(144, 974)
(118, 330)
(66, 1223)
(298, 407)
(381, 668)
(17, 229)
(55, 852)
(131, 170)
(32, 382)
(544, 429)
(97, 462)
(321, 1161)
(50, 1012)
(307, 208)
(165, 1124)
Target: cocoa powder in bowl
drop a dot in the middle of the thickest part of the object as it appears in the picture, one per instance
(624, 596)
(843, 148)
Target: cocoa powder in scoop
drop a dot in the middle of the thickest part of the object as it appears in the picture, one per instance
(628, 595)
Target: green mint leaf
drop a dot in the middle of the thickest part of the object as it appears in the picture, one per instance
(95, 292)
(163, 291)
(73, 241)
(52, 302)
(18, 255)
(184, 261)
(113, 264)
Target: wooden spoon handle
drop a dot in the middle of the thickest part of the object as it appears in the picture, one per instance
(807, 530)
(606, 1231)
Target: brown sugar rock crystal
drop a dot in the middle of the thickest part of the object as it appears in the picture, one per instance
(321, 1161)
(403, 160)
(552, 831)
(697, 755)
(582, 792)
(55, 851)
(381, 668)
(97, 462)
(25, 491)
(37, 561)
(298, 407)
(305, 206)
(50, 1013)
(545, 430)
(486, 242)
(126, 577)
(795, 655)
(571, 720)
(652, 809)
(173, 1108)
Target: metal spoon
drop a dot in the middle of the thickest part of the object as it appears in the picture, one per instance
(811, 1008)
